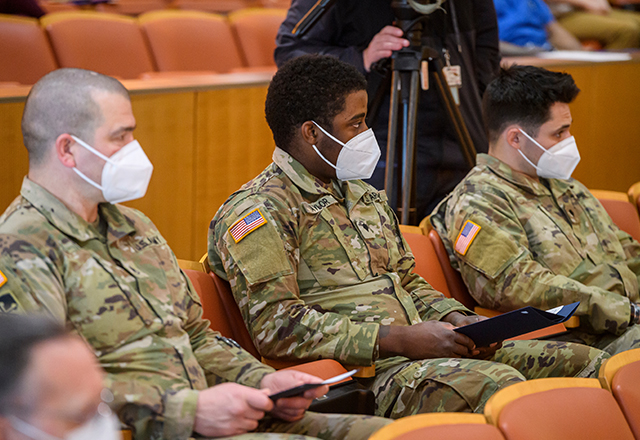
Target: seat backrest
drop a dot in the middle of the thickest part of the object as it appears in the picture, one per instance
(457, 288)
(427, 264)
(441, 426)
(132, 7)
(219, 6)
(627, 392)
(224, 317)
(106, 43)
(240, 333)
(191, 41)
(557, 408)
(623, 213)
(24, 50)
(256, 30)
(212, 306)
(634, 195)
(611, 366)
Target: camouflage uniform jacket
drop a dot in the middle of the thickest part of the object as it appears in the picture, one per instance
(118, 285)
(324, 271)
(540, 244)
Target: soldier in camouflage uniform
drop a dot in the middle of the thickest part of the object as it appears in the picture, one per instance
(320, 269)
(105, 271)
(540, 241)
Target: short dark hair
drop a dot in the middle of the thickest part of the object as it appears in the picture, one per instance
(310, 87)
(18, 336)
(524, 95)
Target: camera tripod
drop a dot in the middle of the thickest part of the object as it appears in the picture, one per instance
(407, 65)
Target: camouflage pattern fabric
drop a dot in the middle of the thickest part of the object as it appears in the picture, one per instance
(327, 267)
(117, 284)
(544, 244)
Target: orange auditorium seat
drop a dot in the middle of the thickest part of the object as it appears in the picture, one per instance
(106, 43)
(132, 7)
(623, 213)
(24, 50)
(256, 29)
(221, 6)
(191, 41)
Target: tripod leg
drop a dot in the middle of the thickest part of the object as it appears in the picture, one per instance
(409, 146)
(389, 177)
(466, 144)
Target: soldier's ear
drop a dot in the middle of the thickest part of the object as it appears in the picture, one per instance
(309, 132)
(513, 137)
(64, 150)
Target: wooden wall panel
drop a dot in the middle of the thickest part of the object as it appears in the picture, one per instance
(233, 145)
(14, 162)
(606, 124)
(165, 130)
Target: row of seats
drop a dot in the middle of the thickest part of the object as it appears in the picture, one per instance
(159, 43)
(557, 408)
(550, 409)
(136, 7)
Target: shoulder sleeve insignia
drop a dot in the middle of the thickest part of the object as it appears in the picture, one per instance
(466, 236)
(8, 304)
(247, 224)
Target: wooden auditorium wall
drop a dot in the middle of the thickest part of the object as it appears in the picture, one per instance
(206, 141)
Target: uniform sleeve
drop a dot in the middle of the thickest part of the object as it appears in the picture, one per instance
(431, 304)
(502, 274)
(33, 281)
(262, 270)
(221, 358)
(631, 251)
(316, 41)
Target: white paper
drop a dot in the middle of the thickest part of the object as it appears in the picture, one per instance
(339, 377)
(555, 310)
(580, 55)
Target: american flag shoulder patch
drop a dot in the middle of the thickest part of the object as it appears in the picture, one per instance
(3, 279)
(247, 224)
(466, 236)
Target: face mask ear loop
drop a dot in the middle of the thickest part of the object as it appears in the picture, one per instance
(324, 158)
(29, 430)
(328, 134)
(90, 148)
(532, 140)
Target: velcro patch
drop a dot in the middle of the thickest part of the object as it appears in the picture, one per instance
(246, 225)
(8, 303)
(466, 236)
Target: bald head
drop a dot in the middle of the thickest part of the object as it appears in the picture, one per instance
(63, 102)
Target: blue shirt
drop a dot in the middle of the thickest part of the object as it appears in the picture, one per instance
(523, 22)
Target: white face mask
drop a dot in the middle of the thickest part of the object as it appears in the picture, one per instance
(358, 157)
(98, 428)
(559, 161)
(126, 174)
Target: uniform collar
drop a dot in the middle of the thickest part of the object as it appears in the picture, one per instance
(70, 223)
(504, 171)
(352, 190)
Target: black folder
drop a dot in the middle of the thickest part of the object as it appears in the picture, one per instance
(515, 323)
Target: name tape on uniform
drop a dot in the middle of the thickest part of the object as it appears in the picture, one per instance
(247, 225)
(466, 236)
